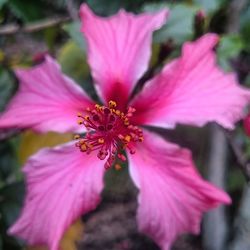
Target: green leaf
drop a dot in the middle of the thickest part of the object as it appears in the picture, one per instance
(11, 199)
(2, 2)
(105, 7)
(26, 10)
(110, 7)
(57, 3)
(74, 63)
(236, 179)
(8, 160)
(31, 142)
(73, 29)
(179, 26)
(229, 47)
(50, 35)
(245, 26)
(117, 183)
(209, 5)
(7, 86)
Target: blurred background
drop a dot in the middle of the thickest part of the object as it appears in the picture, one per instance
(30, 29)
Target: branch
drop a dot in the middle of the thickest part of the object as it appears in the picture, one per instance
(215, 223)
(7, 134)
(235, 8)
(11, 29)
(72, 10)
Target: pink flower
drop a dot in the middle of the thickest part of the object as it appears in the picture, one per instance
(66, 181)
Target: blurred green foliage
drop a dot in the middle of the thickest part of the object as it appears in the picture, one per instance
(73, 29)
(180, 23)
(230, 47)
(67, 44)
(7, 86)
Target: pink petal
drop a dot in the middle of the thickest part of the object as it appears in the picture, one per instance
(46, 100)
(173, 196)
(62, 184)
(119, 49)
(192, 90)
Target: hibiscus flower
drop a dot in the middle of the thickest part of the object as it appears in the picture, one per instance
(65, 182)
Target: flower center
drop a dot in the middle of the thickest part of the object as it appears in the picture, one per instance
(109, 132)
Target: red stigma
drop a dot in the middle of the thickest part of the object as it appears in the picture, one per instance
(109, 132)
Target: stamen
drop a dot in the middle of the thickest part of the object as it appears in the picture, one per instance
(109, 132)
(118, 167)
(76, 137)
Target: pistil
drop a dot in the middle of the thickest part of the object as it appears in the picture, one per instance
(109, 132)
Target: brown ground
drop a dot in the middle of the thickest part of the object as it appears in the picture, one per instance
(113, 225)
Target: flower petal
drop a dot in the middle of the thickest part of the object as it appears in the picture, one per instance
(62, 184)
(192, 90)
(119, 49)
(172, 196)
(47, 100)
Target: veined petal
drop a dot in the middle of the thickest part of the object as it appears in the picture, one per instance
(192, 90)
(172, 195)
(62, 184)
(46, 100)
(119, 49)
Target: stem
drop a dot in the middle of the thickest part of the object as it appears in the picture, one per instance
(215, 226)
(11, 29)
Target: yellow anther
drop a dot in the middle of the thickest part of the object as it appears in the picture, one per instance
(80, 122)
(118, 112)
(76, 137)
(141, 139)
(97, 107)
(118, 167)
(84, 147)
(112, 104)
(101, 141)
(109, 132)
(82, 142)
(127, 138)
(126, 122)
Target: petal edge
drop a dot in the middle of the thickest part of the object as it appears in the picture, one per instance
(192, 90)
(118, 49)
(172, 195)
(62, 184)
(46, 100)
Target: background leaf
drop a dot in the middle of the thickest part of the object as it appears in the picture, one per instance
(30, 143)
(26, 10)
(7, 86)
(2, 2)
(209, 5)
(11, 197)
(73, 30)
(179, 26)
(229, 47)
